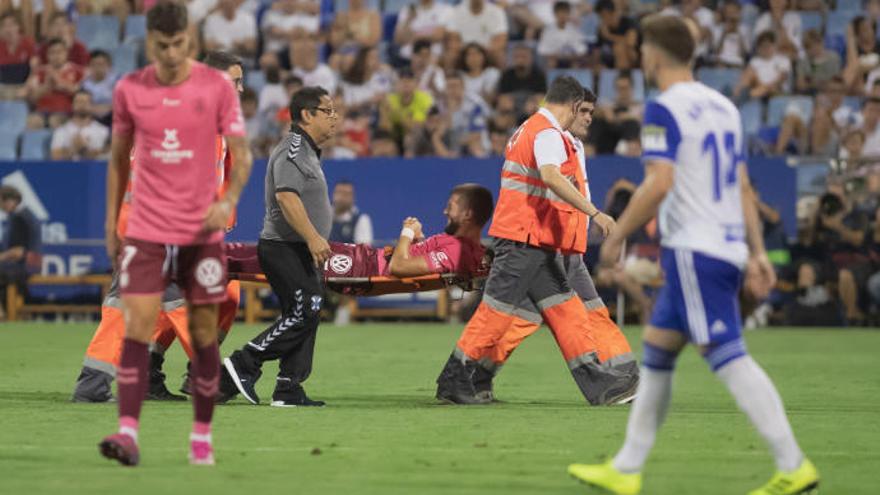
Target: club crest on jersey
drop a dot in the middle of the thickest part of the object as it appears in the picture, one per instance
(340, 263)
(317, 301)
(295, 143)
(654, 138)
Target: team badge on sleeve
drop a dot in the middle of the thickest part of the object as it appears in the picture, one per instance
(654, 138)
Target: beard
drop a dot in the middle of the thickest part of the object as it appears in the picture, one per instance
(81, 114)
(451, 227)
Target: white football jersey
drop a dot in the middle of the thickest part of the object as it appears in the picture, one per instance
(699, 131)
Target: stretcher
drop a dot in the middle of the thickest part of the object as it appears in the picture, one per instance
(381, 285)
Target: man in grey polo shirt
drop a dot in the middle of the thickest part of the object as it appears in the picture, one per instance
(292, 248)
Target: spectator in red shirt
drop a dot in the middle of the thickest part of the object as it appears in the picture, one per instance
(61, 28)
(16, 52)
(51, 87)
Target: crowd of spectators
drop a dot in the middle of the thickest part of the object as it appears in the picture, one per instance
(454, 78)
(805, 71)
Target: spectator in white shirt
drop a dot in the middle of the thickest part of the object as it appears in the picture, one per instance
(421, 20)
(288, 20)
(430, 77)
(480, 78)
(767, 73)
(731, 37)
(534, 15)
(81, 137)
(785, 23)
(367, 81)
(99, 82)
(231, 29)
(832, 118)
(305, 63)
(704, 19)
(562, 42)
(481, 22)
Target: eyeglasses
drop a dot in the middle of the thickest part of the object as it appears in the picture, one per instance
(331, 112)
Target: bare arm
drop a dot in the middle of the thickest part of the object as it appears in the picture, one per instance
(659, 178)
(218, 213)
(754, 236)
(295, 213)
(402, 264)
(118, 170)
(561, 186)
(14, 254)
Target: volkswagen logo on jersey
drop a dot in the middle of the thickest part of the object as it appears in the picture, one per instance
(340, 263)
(209, 272)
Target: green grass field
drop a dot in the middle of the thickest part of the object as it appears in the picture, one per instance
(382, 432)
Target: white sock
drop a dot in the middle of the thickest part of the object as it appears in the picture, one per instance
(648, 413)
(758, 398)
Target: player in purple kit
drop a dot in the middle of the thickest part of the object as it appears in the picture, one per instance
(173, 109)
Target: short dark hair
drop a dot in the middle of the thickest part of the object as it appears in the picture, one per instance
(604, 5)
(624, 74)
(249, 95)
(589, 95)
(765, 37)
(169, 18)
(420, 44)
(478, 199)
(813, 36)
(462, 58)
(561, 5)
(405, 73)
(670, 34)
(58, 15)
(308, 98)
(9, 192)
(100, 54)
(221, 60)
(564, 89)
(55, 41)
(10, 15)
(343, 182)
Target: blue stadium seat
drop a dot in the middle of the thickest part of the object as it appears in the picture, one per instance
(125, 58)
(810, 20)
(721, 78)
(848, 6)
(778, 105)
(35, 144)
(854, 102)
(8, 143)
(836, 43)
(341, 5)
(255, 80)
(584, 76)
(98, 31)
(13, 117)
(590, 28)
(837, 22)
(395, 6)
(389, 24)
(751, 117)
(606, 85)
(135, 28)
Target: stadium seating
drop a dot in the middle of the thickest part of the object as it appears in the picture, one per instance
(751, 117)
(341, 5)
(389, 23)
(125, 58)
(607, 92)
(721, 78)
(98, 31)
(811, 20)
(255, 80)
(394, 6)
(13, 117)
(590, 27)
(584, 76)
(838, 21)
(35, 144)
(849, 6)
(135, 29)
(8, 144)
(779, 105)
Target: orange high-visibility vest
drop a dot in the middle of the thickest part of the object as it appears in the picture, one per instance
(224, 167)
(527, 210)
